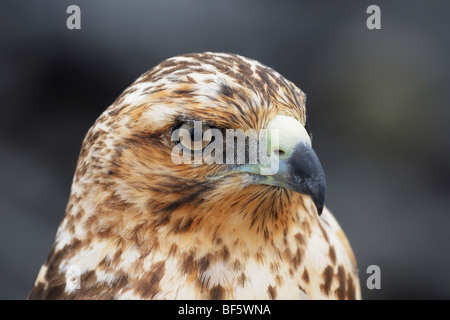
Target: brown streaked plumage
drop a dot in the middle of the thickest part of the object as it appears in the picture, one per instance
(138, 226)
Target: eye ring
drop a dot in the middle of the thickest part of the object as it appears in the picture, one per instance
(193, 136)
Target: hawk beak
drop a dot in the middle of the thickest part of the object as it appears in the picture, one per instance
(303, 173)
(293, 163)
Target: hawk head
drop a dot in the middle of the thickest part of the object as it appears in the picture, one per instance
(127, 160)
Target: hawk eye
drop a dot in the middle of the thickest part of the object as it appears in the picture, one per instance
(194, 136)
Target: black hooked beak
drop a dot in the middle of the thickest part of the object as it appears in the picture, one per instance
(303, 173)
(292, 164)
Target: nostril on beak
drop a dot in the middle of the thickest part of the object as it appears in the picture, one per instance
(279, 153)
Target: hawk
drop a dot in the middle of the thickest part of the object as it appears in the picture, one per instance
(140, 226)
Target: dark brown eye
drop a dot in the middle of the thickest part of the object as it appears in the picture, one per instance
(194, 136)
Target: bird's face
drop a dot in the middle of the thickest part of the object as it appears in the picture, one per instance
(174, 156)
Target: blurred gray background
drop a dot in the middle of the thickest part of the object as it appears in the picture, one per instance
(378, 105)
